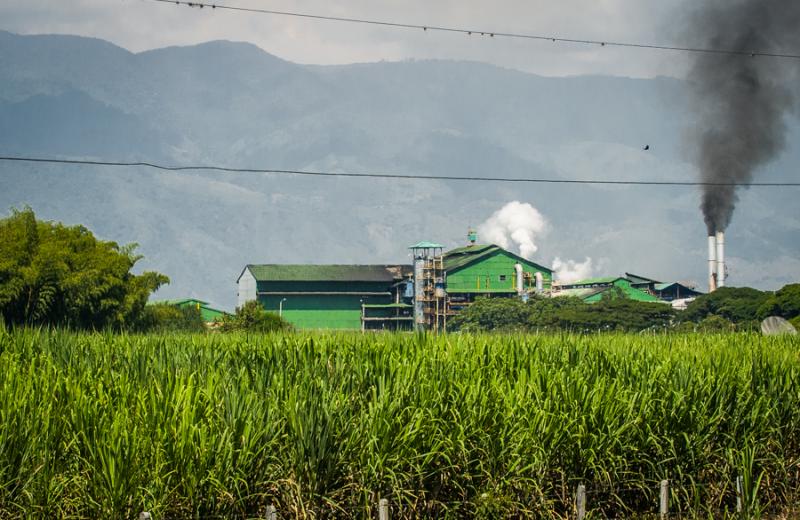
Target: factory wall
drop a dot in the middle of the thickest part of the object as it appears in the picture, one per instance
(492, 275)
(322, 311)
(247, 288)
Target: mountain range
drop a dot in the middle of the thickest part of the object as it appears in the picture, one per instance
(233, 104)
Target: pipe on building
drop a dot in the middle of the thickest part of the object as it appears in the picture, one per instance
(720, 259)
(419, 292)
(712, 263)
(539, 282)
(519, 279)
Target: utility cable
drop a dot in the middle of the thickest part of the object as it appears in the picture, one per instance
(389, 175)
(481, 32)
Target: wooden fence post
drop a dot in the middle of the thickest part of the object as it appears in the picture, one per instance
(383, 509)
(272, 513)
(581, 502)
(739, 494)
(663, 508)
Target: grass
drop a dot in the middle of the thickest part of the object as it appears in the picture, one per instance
(321, 425)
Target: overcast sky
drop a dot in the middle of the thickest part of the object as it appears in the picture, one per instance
(142, 24)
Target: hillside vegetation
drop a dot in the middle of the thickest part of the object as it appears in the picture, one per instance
(192, 426)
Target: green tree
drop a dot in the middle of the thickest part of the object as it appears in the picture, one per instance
(545, 313)
(617, 314)
(735, 304)
(163, 317)
(784, 303)
(62, 275)
(568, 313)
(796, 322)
(492, 314)
(252, 317)
(714, 323)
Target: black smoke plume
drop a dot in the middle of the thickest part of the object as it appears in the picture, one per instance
(741, 100)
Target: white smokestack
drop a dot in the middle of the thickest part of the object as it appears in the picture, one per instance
(712, 263)
(519, 278)
(720, 259)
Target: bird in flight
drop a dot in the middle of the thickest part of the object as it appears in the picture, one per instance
(646, 147)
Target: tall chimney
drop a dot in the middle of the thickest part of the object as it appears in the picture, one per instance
(712, 263)
(720, 259)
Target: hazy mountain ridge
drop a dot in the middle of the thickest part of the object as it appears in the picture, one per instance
(233, 104)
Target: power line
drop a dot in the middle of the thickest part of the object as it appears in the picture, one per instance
(389, 175)
(479, 32)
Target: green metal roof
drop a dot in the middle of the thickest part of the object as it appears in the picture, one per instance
(596, 281)
(328, 273)
(426, 245)
(635, 278)
(461, 256)
(638, 295)
(664, 286)
(208, 313)
(583, 292)
(595, 293)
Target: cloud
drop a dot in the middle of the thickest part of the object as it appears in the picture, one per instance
(567, 271)
(515, 224)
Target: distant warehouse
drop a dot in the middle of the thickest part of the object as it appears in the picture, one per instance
(392, 297)
(330, 296)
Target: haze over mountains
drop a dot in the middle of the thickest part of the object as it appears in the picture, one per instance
(233, 104)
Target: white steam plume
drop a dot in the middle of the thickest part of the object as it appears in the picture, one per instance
(516, 222)
(567, 271)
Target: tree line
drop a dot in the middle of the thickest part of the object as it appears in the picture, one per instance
(57, 275)
(726, 309)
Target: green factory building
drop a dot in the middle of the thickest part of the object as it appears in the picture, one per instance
(630, 286)
(593, 290)
(489, 270)
(391, 297)
(330, 296)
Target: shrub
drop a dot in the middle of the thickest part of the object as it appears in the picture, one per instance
(784, 303)
(503, 314)
(714, 323)
(252, 317)
(162, 317)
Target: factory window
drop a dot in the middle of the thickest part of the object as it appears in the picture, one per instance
(502, 278)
